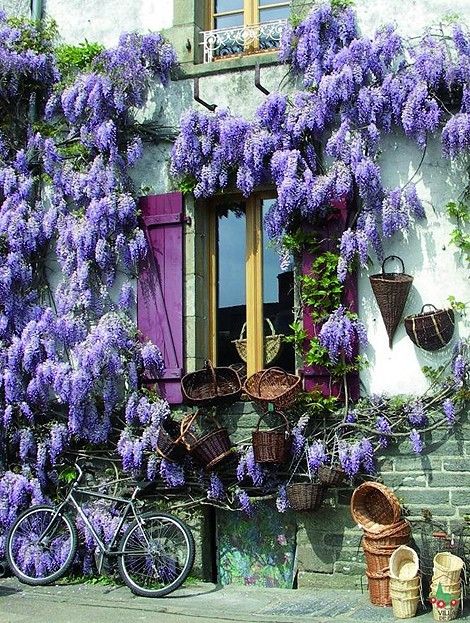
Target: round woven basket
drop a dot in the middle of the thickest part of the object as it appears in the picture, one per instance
(209, 449)
(447, 568)
(404, 563)
(394, 535)
(403, 586)
(431, 330)
(379, 588)
(305, 496)
(448, 613)
(453, 588)
(273, 385)
(405, 607)
(210, 386)
(331, 475)
(391, 291)
(375, 507)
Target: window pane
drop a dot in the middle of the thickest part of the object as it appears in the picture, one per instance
(231, 291)
(222, 6)
(274, 13)
(270, 2)
(278, 304)
(229, 21)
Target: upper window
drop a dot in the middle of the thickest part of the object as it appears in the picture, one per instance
(252, 299)
(243, 26)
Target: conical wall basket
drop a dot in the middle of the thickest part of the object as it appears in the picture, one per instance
(391, 291)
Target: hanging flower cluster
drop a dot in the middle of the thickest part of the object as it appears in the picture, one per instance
(356, 90)
(70, 355)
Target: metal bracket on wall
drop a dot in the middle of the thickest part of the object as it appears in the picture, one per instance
(258, 84)
(196, 97)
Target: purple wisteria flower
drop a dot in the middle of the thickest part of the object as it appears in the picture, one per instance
(282, 503)
(341, 334)
(417, 444)
(448, 408)
(382, 425)
(316, 456)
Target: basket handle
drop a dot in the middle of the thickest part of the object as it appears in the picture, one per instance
(286, 421)
(428, 305)
(264, 374)
(271, 326)
(186, 424)
(208, 365)
(393, 257)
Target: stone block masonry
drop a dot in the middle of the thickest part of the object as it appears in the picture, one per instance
(329, 551)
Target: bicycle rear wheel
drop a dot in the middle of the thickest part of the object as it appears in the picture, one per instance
(40, 545)
(156, 554)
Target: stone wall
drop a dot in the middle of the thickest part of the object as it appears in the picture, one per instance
(329, 548)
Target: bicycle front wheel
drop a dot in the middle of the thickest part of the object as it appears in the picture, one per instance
(41, 545)
(156, 554)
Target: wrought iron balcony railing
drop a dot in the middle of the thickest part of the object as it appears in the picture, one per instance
(226, 42)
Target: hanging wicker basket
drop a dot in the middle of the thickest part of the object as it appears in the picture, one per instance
(210, 449)
(211, 386)
(169, 444)
(272, 385)
(331, 475)
(305, 496)
(391, 291)
(271, 446)
(431, 330)
(375, 507)
(272, 344)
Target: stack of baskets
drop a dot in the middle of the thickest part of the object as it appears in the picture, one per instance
(404, 582)
(377, 510)
(446, 586)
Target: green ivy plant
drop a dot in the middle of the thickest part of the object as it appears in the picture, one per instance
(459, 211)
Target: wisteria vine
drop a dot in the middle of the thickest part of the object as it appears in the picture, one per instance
(70, 354)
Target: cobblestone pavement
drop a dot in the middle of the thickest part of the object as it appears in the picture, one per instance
(86, 603)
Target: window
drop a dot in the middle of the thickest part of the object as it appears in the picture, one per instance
(251, 299)
(243, 26)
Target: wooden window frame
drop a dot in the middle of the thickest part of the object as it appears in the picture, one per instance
(251, 10)
(253, 280)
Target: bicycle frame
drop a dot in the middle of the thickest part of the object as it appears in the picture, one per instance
(71, 501)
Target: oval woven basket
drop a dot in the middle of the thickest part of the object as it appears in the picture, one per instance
(375, 507)
(431, 330)
(273, 385)
(404, 563)
(210, 386)
(305, 496)
(272, 344)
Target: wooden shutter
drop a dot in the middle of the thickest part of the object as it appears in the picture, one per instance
(160, 287)
(317, 377)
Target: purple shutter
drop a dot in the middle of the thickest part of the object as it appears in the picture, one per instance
(160, 286)
(317, 377)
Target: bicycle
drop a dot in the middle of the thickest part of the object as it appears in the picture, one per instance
(155, 554)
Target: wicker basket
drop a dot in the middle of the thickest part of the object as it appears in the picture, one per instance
(377, 561)
(405, 607)
(405, 587)
(447, 568)
(331, 475)
(391, 291)
(305, 496)
(447, 613)
(271, 446)
(431, 330)
(209, 449)
(272, 344)
(404, 563)
(211, 386)
(272, 385)
(393, 535)
(379, 588)
(169, 444)
(375, 507)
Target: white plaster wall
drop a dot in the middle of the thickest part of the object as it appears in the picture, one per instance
(104, 20)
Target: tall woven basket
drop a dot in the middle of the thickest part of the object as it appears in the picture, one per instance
(431, 330)
(391, 291)
(271, 446)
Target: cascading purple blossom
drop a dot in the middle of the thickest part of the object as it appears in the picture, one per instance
(341, 334)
